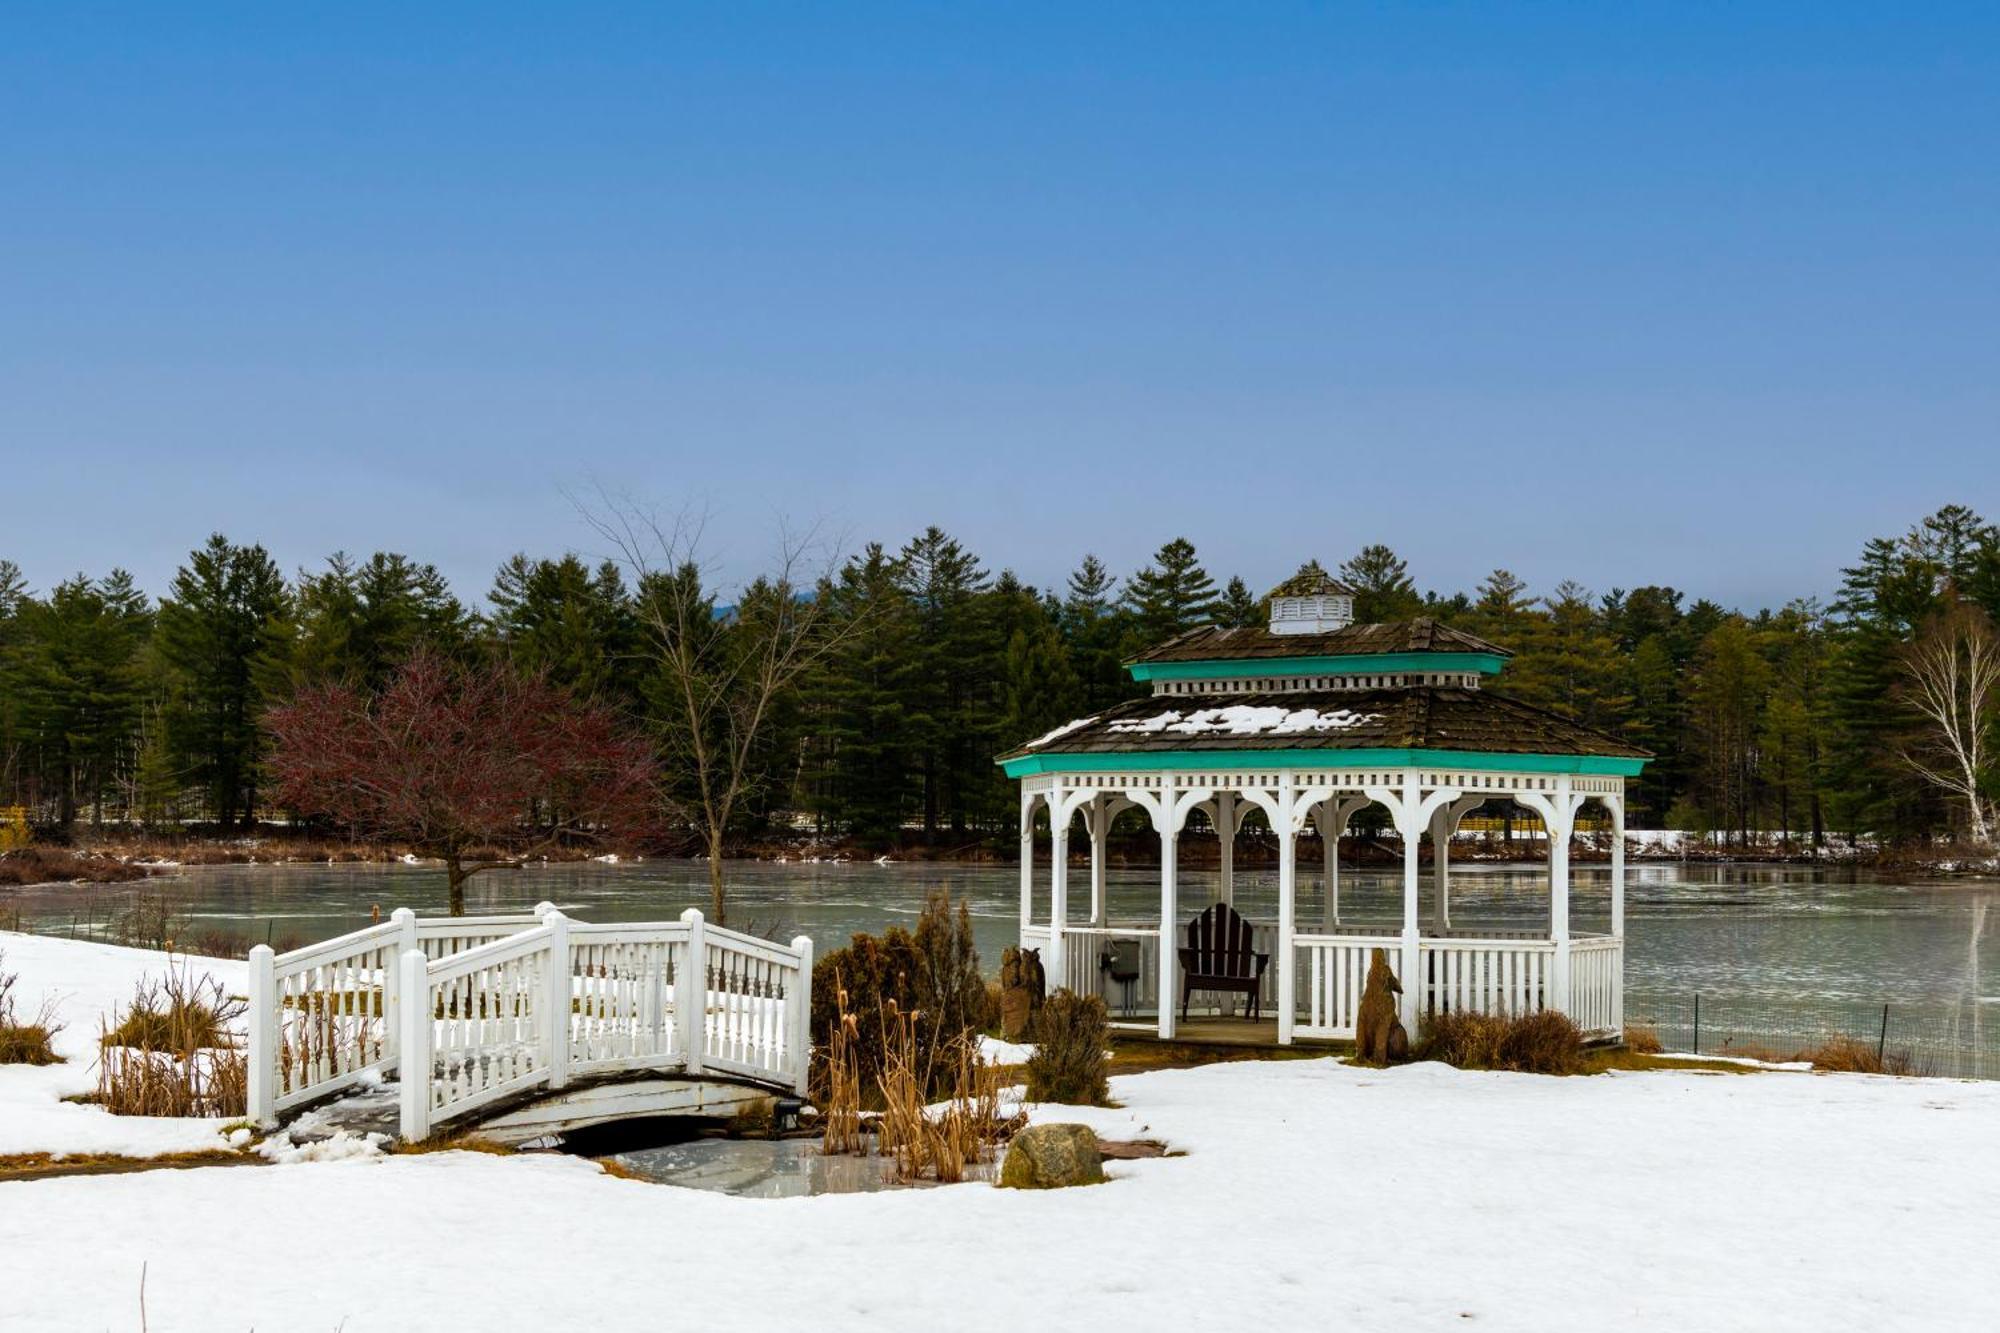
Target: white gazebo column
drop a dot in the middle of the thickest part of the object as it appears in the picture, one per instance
(1616, 805)
(1405, 810)
(1223, 815)
(1097, 816)
(1440, 871)
(1287, 826)
(1410, 824)
(1560, 828)
(1027, 863)
(1058, 888)
(1167, 820)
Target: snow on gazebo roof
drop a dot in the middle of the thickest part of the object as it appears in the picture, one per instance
(1405, 718)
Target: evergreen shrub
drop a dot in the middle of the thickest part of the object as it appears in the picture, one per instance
(1068, 1064)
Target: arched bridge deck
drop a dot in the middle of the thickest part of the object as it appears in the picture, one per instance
(483, 1018)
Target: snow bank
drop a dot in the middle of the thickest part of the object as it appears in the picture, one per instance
(1418, 1197)
(87, 981)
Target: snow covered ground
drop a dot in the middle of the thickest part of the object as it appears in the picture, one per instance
(1312, 1195)
(87, 981)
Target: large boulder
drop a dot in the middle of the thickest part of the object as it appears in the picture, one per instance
(1046, 1157)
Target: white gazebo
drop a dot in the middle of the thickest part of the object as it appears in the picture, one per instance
(1309, 721)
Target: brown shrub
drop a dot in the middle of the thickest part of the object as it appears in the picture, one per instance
(1541, 1043)
(24, 1041)
(1641, 1039)
(931, 976)
(1071, 1034)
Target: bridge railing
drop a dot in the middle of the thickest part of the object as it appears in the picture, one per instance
(319, 1016)
(470, 1011)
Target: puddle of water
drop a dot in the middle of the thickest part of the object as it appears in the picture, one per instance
(767, 1168)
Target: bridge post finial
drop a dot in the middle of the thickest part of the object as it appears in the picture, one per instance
(561, 998)
(413, 1042)
(802, 1008)
(691, 994)
(265, 1019)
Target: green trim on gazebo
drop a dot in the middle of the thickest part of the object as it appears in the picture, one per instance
(1354, 664)
(1126, 761)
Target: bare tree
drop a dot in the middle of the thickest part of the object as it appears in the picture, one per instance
(1952, 680)
(723, 673)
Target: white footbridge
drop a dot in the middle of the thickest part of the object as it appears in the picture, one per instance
(532, 1023)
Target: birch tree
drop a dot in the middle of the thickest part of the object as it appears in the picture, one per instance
(1952, 681)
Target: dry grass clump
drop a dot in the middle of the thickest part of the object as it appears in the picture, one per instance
(1845, 1055)
(1640, 1039)
(174, 1051)
(1541, 1043)
(1071, 1034)
(25, 1042)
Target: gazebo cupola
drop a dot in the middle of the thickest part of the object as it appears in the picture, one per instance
(1311, 603)
(1305, 721)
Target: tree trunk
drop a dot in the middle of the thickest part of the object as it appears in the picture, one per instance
(454, 878)
(716, 906)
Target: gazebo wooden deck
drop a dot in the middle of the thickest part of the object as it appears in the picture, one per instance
(1304, 723)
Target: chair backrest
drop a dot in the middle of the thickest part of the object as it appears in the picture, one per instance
(1219, 941)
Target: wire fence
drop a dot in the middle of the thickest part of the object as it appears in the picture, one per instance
(1937, 1040)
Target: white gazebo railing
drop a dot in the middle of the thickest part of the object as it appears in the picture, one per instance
(467, 1012)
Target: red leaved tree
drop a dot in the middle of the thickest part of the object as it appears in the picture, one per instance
(477, 765)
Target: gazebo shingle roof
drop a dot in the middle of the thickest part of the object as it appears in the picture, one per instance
(1420, 718)
(1218, 642)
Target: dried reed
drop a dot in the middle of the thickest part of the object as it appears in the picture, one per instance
(174, 1051)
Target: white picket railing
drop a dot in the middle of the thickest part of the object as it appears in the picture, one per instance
(468, 1011)
(1597, 985)
(1333, 969)
(1487, 974)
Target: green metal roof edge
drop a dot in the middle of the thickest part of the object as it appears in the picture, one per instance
(1028, 765)
(1348, 664)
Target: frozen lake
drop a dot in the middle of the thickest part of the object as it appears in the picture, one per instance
(1756, 937)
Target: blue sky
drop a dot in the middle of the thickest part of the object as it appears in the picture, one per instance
(1701, 294)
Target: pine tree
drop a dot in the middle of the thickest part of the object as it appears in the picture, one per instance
(570, 622)
(1171, 595)
(953, 676)
(1093, 626)
(1042, 689)
(1501, 610)
(223, 614)
(863, 774)
(80, 687)
(1238, 608)
(1383, 591)
(357, 623)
